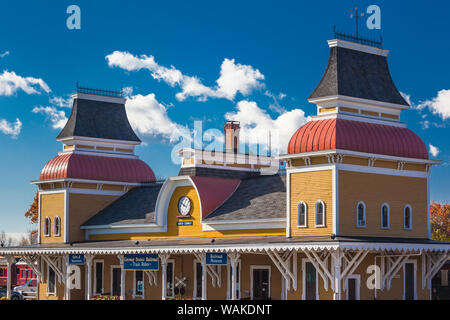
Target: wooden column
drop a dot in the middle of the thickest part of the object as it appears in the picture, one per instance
(10, 260)
(89, 259)
(122, 278)
(233, 263)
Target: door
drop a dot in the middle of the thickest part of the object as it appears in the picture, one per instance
(351, 287)
(198, 280)
(116, 282)
(261, 284)
(311, 282)
(409, 281)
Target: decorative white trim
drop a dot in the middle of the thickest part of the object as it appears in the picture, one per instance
(100, 153)
(94, 97)
(76, 139)
(357, 154)
(259, 267)
(359, 117)
(360, 101)
(276, 223)
(358, 47)
(66, 216)
(288, 203)
(335, 199)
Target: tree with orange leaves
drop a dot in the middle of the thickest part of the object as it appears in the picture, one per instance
(440, 221)
(32, 214)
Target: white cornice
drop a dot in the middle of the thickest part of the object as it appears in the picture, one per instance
(358, 47)
(358, 117)
(97, 140)
(337, 98)
(357, 154)
(94, 97)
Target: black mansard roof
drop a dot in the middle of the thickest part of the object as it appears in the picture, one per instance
(134, 207)
(261, 197)
(98, 119)
(358, 74)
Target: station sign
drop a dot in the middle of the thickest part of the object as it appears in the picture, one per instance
(184, 223)
(76, 258)
(216, 258)
(141, 262)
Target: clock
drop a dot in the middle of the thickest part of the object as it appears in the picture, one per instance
(184, 206)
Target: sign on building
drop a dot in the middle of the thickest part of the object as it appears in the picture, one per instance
(216, 258)
(76, 258)
(141, 262)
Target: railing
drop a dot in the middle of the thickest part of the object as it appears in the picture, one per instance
(100, 92)
(358, 39)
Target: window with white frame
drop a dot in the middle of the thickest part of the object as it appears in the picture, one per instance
(385, 223)
(98, 274)
(320, 214)
(407, 217)
(139, 283)
(360, 214)
(57, 226)
(198, 279)
(302, 214)
(51, 280)
(47, 226)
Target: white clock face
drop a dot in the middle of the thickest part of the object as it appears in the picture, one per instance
(184, 206)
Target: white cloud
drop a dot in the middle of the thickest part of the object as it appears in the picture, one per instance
(4, 54)
(407, 98)
(57, 117)
(148, 116)
(234, 77)
(10, 82)
(439, 105)
(62, 102)
(434, 151)
(12, 129)
(256, 124)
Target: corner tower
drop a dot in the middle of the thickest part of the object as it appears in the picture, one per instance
(355, 170)
(97, 165)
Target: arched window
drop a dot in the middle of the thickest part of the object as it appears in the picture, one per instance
(361, 214)
(385, 223)
(47, 226)
(407, 217)
(302, 215)
(57, 226)
(320, 214)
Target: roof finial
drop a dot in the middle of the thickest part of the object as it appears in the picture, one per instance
(356, 15)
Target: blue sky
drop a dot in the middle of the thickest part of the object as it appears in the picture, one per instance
(278, 48)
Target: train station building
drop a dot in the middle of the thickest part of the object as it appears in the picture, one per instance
(348, 218)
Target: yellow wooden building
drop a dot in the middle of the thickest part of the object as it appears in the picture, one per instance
(348, 219)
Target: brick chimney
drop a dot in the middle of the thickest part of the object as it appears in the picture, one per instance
(231, 130)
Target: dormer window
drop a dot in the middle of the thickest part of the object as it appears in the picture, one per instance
(302, 215)
(361, 214)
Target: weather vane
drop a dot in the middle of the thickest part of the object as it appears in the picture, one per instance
(356, 15)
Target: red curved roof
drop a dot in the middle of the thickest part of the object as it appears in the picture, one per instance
(80, 166)
(357, 136)
(213, 191)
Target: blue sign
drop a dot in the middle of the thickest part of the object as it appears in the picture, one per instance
(216, 258)
(76, 258)
(141, 262)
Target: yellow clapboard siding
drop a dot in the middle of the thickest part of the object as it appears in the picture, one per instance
(52, 205)
(374, 190)
(310, 187)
